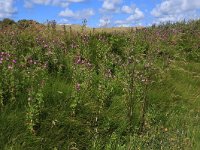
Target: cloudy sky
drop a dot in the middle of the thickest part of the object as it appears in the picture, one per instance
(101, 13)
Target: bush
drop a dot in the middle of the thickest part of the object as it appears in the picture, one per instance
(7, 22)
(26, 23)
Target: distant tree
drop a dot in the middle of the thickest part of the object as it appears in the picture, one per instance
(7, 22)
(0, 24)
(26, 23)
(23, 23)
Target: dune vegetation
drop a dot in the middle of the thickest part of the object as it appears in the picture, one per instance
(66, 90)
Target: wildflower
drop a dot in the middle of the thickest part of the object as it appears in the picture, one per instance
(45, 65)
(88, 64)
(30, 61)
(10, 67)
(109, 73)
(78, 60)
(147, 65)
(45, 46)
(78, 87)
(14, 61)
(29, 99)
(83, 61)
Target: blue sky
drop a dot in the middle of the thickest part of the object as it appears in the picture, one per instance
(101, 13)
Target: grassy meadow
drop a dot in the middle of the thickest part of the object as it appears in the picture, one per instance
(137, 89)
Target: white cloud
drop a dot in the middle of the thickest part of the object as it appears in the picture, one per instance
(75, 1)
(167, 7)
(124, 25)
(62, 3)
(175, 10)
(110, 5)
(135, 17)
(28, 4)
(46, 2)
(177, 17)
(128, 9)
(64, 22)
(67, 13)
(7, 9)
(138, 15)
(115, 6)
(104, 22)
(82, 14)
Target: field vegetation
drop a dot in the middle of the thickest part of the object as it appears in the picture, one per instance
(131, 90)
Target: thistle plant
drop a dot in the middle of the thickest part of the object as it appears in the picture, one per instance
(7, 66)
(81, 90)
(35, 98)
(84, 24)
(12, 86)
(1, 96)
(35, 104)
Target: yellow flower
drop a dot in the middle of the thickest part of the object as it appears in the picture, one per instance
(165, 129)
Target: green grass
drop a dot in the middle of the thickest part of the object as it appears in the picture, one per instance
(100, 90)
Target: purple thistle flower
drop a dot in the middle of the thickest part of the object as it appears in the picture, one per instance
(14, 61)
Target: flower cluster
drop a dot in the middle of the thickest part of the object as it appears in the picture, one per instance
(81, 61)
(7, 58)
(32, 62)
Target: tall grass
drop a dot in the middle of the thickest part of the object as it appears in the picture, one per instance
(127, 90)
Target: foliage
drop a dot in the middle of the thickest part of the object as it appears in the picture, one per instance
(66, 90)
(26, 23)
(6, 22)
